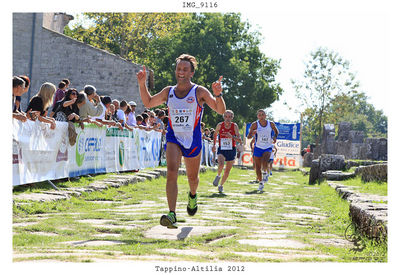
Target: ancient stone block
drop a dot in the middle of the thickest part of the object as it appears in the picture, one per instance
(337, 175)
(356, 136)
(331, 162)
(314, 172)
(382, 149)
(343, 148)
(343, 131)
(308, 157)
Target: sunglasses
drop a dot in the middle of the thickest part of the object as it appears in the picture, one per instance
(73, 93)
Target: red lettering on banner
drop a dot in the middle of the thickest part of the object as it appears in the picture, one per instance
(285, 162)
(247, 159)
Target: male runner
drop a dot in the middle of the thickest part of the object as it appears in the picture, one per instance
(228, 134)
(262, 130)
(185, 103)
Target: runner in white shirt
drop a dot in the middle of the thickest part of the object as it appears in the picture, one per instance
(185, 103)
(262, 130)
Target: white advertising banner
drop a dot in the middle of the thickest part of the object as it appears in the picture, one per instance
(287, 155)
(287, 145)
(40, 153)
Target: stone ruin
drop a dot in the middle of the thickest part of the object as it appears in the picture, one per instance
(328, 161)
(350, 143)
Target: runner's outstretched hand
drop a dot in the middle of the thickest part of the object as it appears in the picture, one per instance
(217, 87)
(142, 75)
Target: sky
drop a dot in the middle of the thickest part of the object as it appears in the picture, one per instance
(360, 39)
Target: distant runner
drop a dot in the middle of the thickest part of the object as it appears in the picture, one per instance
(228, 135)
(262, 130)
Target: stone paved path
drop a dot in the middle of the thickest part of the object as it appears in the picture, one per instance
(240, 224)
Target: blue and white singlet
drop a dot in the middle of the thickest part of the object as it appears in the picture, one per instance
(264, 136)
(184, 123)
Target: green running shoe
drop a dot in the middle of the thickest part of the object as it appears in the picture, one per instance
(169, 221)
(192, 205)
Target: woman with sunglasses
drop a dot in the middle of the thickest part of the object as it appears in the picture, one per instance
(67, 109)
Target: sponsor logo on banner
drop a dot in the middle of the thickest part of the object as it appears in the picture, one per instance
(121, 154)
(80, 149)
(17, 156)
(62, 154)
(247, 158)
(137, 142)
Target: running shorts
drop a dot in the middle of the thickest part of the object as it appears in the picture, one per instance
(258, 152)
(228, 154)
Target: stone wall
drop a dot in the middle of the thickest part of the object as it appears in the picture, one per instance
(56, 56)
(376, 172)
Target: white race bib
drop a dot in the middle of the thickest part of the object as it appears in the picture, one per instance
(182, 120)
(226, 144)
(264, 140)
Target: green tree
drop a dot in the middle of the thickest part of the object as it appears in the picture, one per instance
(326, 75)
(128, 35)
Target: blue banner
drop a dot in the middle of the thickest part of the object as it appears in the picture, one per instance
(288, 131)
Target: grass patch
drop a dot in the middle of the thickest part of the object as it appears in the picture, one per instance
(372, 187)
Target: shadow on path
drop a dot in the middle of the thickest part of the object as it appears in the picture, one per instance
(184, 232)
(216, 195)
(253, 192)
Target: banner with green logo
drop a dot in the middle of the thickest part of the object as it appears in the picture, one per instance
(40, 153)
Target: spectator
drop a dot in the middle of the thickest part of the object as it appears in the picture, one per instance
(67, 83)
(131, 118)
(80, 102)
(124, 107)
(106, 102)
(152, 123)
(139, 122)
(159, 120)
(18, 98)
(18, 90)
(165, 121)
(60, 93)
(67, 109)
(39, 104)
(145, 121)
(92, 107)
(119, 113)
(206, 134)
(110, 112)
